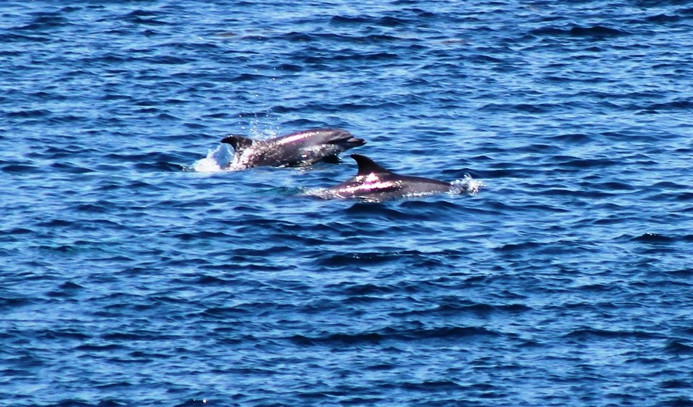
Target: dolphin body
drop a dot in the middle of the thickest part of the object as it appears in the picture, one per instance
(296, 149)
(375, 183)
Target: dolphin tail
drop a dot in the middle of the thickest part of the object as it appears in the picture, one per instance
(238, 142)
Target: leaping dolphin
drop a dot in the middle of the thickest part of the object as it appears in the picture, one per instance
(296, 149)
(375, 183)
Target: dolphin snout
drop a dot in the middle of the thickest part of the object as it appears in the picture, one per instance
(356, 141)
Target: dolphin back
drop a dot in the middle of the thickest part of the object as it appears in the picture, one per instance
(327, 136)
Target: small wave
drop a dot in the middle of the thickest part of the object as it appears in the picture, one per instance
(597, 31)
(394, 334)
(678, 347)
(653, 238)
(19, 168)
(586, 333)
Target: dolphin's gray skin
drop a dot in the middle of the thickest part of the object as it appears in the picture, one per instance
(295, 149)
(374, 183)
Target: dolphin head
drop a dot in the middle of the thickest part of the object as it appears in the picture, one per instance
(353, 142)
(238, 142)
(340, 138)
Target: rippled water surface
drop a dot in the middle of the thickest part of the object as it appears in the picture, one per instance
(135, 272)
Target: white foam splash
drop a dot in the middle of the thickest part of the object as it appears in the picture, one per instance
(216, 161)
(467, 184)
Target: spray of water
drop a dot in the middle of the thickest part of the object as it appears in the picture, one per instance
(216, 161)
(467, 185)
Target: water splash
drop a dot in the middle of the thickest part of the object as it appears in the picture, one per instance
(217, 160)
(467, 185)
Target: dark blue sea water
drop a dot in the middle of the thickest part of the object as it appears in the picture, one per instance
(135, 273)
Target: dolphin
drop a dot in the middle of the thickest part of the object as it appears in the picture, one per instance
(296, 149)
(375, 183)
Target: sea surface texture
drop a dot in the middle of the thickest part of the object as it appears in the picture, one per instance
(136, 271)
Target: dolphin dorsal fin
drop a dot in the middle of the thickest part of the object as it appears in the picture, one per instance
(238, 142)
(368, 166)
